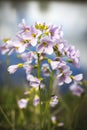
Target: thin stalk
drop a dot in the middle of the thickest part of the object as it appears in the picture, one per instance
(13, 118)
(6, 118)
(38, 65)
(7, 64)
(49, 96)
(51, 82)
(39, 91)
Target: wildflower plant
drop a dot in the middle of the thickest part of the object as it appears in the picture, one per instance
(46, 57)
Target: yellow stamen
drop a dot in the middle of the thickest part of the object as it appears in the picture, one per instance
(72, 77)
(44, 43)
(34, 35)
(47, 33)
(41, 26)
(6, 39)
(49, 61)
(20, 65)
(25, 41)
(51, 33)
(40, 79)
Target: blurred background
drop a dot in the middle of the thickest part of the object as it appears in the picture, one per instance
(72, 14)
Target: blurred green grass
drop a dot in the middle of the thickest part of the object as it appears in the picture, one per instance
(71, 110)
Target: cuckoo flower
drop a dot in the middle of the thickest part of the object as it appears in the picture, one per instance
(55, 32)
(73, 55)
(36, 100)
(54, 64)
(64, 75)
(22, 103)
(4, 49)
(42, 86)
(60, 124)
(22, 43)
(41, 26)
(23, 27)
(7, 47)
(76, 59)
(76, 89)
(29, 56)
(53, 101)
(77, 77)
(60, 47)
(45, 46)
(28, 68)
(53, 119)
(32, 36)
(13, 68)
(57, 63)
(37, 45)
(45, 69)
(15, 45)
(34, 82)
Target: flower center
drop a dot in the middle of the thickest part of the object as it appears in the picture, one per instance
(44, 43)
(6, 40)
(34, 35)
(25, 41)
(41, 26)
(20, 65)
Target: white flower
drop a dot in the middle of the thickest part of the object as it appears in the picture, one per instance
(76, 89)
(36, 100)
(13, 68)
(53, 101)
(22, 103)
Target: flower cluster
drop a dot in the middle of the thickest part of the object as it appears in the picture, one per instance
(47, 41)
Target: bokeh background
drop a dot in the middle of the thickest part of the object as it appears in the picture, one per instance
(72, 15)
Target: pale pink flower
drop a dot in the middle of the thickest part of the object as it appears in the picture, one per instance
(24, 28)
(45, 46)
(54, 64)
(60, 124)
(78, 77)
(4, 49)
(36, 100)
(56, 32)
(28, 68)
(76, 89)
(34, 81)
(45, 69)
(13, 68)
(53, 119)
(22, 103)
(65, 75)
(54, 101)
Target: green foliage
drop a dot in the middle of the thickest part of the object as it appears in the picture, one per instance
(71, 110)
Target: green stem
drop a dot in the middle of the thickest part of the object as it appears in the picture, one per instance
(38, 65)
(49, 96)
(5, 116)
(7, 64)
(39, 91)
(13, 118)
(51, 82)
